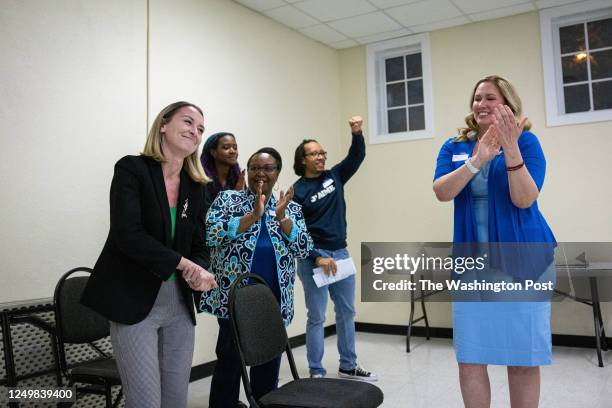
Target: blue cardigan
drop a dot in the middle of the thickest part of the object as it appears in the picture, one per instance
(507, 223)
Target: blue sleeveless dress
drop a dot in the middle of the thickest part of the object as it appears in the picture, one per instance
(501, 333)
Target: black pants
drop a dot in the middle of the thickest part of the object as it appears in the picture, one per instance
(225, 385)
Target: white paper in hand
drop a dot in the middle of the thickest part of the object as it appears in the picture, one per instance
(346, 268)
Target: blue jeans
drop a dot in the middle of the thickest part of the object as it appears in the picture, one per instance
(342, 294)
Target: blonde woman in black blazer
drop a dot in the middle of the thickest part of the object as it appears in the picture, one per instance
(153, 258)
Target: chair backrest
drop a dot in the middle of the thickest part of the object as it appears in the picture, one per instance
(257, 321)
(76, 323)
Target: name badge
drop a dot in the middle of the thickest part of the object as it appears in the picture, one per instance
(460, 157)
(328, 182)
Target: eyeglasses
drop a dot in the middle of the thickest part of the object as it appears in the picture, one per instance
(265, 169)
(317, 154)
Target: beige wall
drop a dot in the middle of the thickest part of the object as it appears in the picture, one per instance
(75, 100)
(391, 198)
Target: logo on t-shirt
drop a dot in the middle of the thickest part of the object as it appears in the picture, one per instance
(328, 188)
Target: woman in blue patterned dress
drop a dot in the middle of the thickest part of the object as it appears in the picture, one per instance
(252, 231)
(494, 171)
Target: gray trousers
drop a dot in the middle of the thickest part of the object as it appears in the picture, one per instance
(154, 356)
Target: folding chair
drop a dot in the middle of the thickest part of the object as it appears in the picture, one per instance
(77, 324)
(260, 336)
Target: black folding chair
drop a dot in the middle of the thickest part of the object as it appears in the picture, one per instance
(260, 336)
(78, 324)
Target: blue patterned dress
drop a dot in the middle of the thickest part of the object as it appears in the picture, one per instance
(232, 252)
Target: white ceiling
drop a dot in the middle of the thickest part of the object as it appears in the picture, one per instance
(347, 23)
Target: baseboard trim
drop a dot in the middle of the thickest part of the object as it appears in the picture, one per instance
(202, 371)
(206, 369)
(418, 331)
(572, 340)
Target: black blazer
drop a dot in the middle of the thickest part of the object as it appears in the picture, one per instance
(137, 256)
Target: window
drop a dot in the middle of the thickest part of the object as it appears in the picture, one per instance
(399, 90)
(577, 59)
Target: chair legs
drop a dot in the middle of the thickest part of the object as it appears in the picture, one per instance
(108, 395)
(119, 398)
(67, 404)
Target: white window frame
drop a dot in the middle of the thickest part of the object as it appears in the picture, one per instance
(550, 19)
(377, 114)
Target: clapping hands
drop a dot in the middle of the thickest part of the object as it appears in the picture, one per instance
(283, 201)
(241, 183)
(488, 147)
(260, 202)
(508, 130)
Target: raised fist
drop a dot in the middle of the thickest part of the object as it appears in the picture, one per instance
(356, 122)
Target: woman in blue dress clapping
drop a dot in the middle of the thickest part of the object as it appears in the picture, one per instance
(494, 171)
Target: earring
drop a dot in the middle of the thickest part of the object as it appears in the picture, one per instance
(276, 186)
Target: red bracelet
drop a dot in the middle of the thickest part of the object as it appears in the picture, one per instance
(518, 166)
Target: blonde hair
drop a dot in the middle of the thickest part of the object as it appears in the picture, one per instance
(511, 98)
(153, 145)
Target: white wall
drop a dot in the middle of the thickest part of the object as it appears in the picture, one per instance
(73, 102)
(391, 199)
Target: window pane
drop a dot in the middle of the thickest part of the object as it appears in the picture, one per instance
(396, 120)
(416, 117)
(574, 68)
(600, 33)
(396, 95)
(415, 92)
(394, 68)
(414, 66)
(572, 38)
(576, 98)
(602, 95)
(601, 64)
